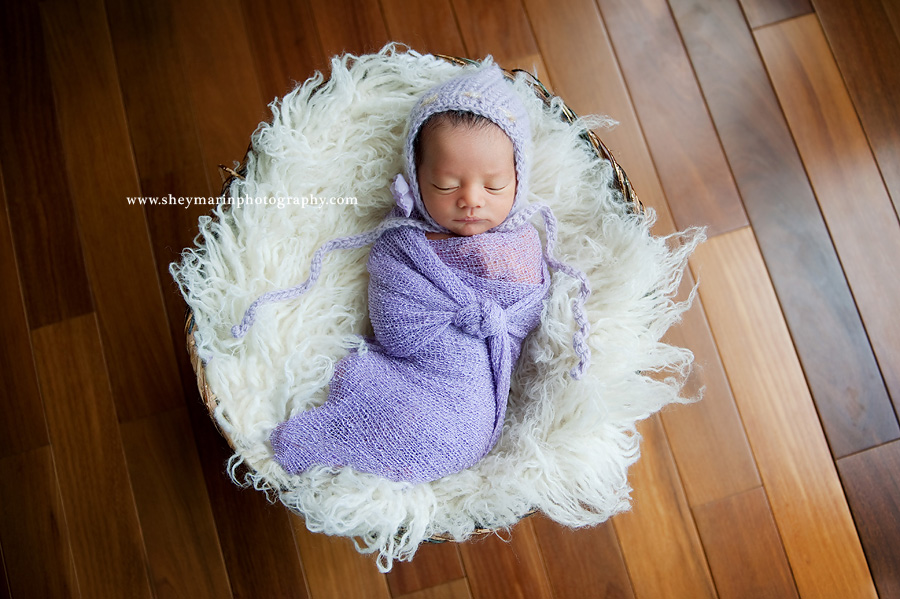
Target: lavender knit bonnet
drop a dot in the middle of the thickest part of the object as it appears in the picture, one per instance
(484, 92)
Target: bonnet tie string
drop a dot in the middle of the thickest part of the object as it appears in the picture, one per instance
(340, 243)
(579, 339)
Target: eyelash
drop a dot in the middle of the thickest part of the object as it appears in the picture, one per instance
(452, 188)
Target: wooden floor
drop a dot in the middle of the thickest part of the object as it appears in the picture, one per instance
(773, 122)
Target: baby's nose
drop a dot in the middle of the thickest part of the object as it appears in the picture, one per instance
(470, 197)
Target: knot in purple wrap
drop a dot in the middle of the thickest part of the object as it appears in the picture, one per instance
(482, 319)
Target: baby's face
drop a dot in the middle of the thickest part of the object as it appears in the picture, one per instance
(467, 176)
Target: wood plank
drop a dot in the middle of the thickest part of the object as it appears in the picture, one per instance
(33, 530)
(746, 560)
(506, 568)
(707, 438)
(893, 13)
(167, 150)
(101, 173)
(765, 12)
(335, 569)
(457, 589)
(22, 426)
(5, 593)
(781, 420)
(804, 267)
(679, 131)
(585, 562)
(220, 79)
(48, 251)
(173, 506)
(591, 83)
(347, 26)
(108, 551)
(500, 29)
(425, 27)
(848, 185)
(864, 38)
(434, 564)
(284, 42)
(257, 542)
(658, 536)
(873, 489)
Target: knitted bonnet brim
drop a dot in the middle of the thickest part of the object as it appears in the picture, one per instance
(484, 91)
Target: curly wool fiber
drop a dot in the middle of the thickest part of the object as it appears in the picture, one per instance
(566, 445)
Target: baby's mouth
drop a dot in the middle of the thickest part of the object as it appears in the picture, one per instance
(470, 219)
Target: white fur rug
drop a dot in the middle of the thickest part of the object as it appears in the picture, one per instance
(566, 446)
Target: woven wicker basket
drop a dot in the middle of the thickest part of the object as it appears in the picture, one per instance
(620, 180)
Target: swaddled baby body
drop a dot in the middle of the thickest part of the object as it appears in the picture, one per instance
(456, 283)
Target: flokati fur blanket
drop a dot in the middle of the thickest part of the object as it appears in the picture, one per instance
(565, 446)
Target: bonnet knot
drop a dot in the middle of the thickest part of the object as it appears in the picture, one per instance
(481, 319)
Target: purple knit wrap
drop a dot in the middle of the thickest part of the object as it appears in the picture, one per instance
(429, 396)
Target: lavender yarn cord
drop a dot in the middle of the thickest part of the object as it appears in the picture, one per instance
(344, 243)
(579, 339)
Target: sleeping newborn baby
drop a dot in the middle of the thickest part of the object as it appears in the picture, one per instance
(457, 280)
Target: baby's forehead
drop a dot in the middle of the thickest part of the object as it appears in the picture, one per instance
(441, 128)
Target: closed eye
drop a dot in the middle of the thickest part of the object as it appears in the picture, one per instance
(444, 188)
(496, 188)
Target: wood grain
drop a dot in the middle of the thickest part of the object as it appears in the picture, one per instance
(167, 150)
(781, 420)
(707, 438)
(257, 542)
(893, 13)
(849, 188)
(873, 490)
(804, 267)
(506, 568)
(335, 569)
(743, 547)
(766, 12)
(104, 531)
(347, 26)
(425, 27)
(586, 562)
(33, 529)
(658, 536)
(101, 172)
(866, 46)
(457, 589)
(500, 29)
(591, 83)
(22, 426)
(679, 131)
(284, 42)
(174, 510)
(220, 80)
(433, 564)
(5, 593)
(41, 216)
